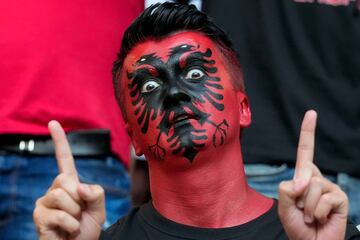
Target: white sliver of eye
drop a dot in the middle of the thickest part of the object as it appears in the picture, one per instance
(194, 74)
(149, 86)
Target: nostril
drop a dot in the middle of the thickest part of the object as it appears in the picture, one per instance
(184, 97)
(175, 98)
(173, 91)
(177, 94)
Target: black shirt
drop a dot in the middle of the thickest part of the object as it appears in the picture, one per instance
(297, 56)
(145, 223)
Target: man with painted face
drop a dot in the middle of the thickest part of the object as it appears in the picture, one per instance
(180, 88)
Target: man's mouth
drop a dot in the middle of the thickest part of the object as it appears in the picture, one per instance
(181, 118)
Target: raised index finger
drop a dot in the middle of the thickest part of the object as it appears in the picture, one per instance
(65, 160)
(305, 151)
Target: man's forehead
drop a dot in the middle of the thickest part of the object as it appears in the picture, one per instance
(161, 48)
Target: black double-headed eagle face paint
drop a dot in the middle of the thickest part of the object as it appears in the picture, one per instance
(176, 96)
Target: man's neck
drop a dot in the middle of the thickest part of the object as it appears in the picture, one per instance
(210, 193)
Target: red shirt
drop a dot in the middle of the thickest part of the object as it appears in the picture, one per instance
(55, 63)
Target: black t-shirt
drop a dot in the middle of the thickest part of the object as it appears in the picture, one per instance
(145, 223)
(298, 55)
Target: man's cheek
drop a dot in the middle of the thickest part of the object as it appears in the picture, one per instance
(152, 130)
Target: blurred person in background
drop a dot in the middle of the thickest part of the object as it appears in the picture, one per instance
(56, 60)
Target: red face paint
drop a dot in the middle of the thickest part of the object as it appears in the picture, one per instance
(180, 100)
(185, 115)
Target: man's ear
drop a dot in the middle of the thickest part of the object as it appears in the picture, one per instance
(244, 110)
(136, 146)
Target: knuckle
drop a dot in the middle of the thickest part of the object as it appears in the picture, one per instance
(58, 180)
(99, 190)
(77, 212)
(337, 189)
(326, 199)
(41, 231)
(282, 187)
(341, 194)
(308, 208)
(74, 232)
(66, 183)
(317, 181)
(57, 194)
(39, 201)
(76, 228)
(36, 215)
(62, 179)
(61, 217)
(73, 229)
(304, 146)
(320, 216)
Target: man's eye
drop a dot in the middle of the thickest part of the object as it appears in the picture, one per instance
(194, 74)
(149, 86)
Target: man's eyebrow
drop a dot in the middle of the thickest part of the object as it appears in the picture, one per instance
(147, 64)
(190, 59)
(148, 59)
(194, 59)
(143, 71)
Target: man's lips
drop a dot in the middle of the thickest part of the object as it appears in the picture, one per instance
(178, 118)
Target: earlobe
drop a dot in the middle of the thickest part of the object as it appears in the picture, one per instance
(244, 110)
(136, 146)
(137, 149)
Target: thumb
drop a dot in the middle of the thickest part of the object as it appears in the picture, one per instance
(94, 197)
(289, 191)
(290, 216)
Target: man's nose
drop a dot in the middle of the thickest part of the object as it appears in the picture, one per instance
(175, 96)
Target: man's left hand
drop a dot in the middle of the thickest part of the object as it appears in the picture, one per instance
(310, 206)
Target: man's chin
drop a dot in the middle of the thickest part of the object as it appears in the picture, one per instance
(188, 152)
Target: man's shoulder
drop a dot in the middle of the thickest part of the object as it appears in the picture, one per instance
(121, 226)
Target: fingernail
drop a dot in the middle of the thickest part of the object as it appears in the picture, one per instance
(298, 184)
(300, 204)
(308, 219)
(85, 187)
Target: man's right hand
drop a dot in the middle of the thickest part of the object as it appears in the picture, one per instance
(69, 209)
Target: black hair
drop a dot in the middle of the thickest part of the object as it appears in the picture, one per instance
(159, 21)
